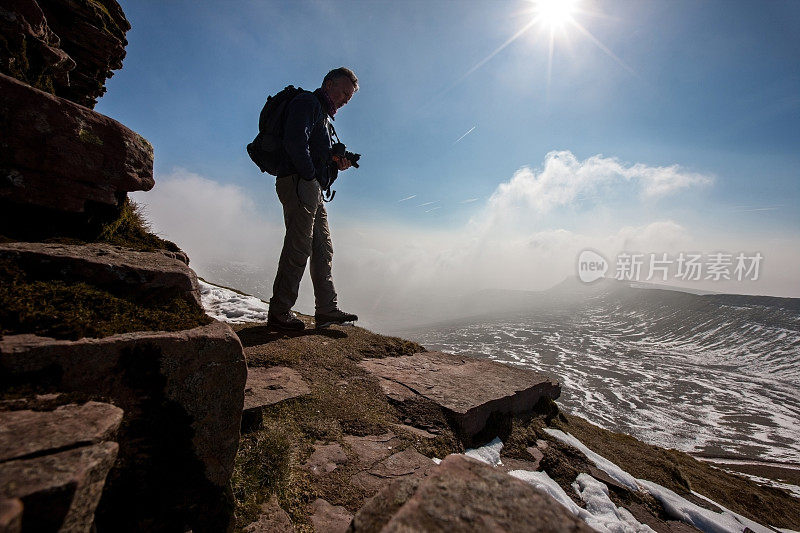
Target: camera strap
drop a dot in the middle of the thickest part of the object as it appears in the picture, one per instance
(328, 194)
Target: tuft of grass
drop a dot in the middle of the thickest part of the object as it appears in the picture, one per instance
(64, 310)
(130, 230)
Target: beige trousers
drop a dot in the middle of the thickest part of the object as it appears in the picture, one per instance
(307, 235)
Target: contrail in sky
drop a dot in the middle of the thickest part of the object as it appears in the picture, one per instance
(427, 203)
(470, 200)
(470, 131)
(434, 209)
(409, 198)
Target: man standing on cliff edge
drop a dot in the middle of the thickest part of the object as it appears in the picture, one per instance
(309, 169)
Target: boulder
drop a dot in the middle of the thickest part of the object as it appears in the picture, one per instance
(27, 433)
(60, 491)
(182, 393)
(268, 386)
(31, 52)
(464, 495)
(328, 518)
(469, 391)
(57, 154)
(92, 32)
(118, 270)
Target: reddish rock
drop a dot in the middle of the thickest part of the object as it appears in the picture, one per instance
(328, 518)
(92, 32)
(268, 386)
(59, 492)
(60, 155)
(273, 519)
(468, 390)
(182, 393)
(111, 267)
(326, 458)
(31, 50)
(10, 515)
(25, 433)
(402, 465)
(372, 448)
(464, 495)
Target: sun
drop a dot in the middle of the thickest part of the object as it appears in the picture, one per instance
(554, 13)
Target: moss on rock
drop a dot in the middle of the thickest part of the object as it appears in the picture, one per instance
(64, 310)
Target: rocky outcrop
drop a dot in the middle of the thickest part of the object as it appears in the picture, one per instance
(121, 271)
(182, 393)
(59, 155)
(65, 47)
(29, 49)
(329, 518)
(471, 392)
(92, 32)
(55, 463)
(464, 495)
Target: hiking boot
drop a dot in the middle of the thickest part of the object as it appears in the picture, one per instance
(285, 320)
(337, 316)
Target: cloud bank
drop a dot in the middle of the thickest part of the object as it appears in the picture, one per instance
(395, 274)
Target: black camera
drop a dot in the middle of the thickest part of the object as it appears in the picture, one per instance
(338, 149)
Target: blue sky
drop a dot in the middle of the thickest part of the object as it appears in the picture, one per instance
(711, 87)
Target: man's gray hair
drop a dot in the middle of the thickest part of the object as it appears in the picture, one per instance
(341, 72)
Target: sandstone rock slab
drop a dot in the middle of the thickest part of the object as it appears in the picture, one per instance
(464, 495)
(268, 386)
(60, 155)
(325, 458)
(107, 266)
(59, 492)
(328, 518)
(25, 433)
(468, 390)
(373, 448)
(182, 395)
(273, 519)
(402, 465)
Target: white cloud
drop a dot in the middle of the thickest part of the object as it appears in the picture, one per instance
(207, 219)
(564, 179)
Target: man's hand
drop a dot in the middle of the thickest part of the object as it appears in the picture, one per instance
(342, 162)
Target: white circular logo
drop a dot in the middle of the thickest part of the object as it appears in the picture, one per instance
(591, 266)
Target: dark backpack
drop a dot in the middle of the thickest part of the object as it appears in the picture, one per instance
(266, 150)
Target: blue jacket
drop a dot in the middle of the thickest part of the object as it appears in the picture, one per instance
(307, 140)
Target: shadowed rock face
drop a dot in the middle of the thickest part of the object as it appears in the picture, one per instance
(64, 47)
(92, 32)
(60, 155)
(55, 463)
(464, 495)
(182, 393)
(29, 49)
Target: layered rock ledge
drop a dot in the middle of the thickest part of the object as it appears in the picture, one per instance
(60, 155)
(182, 393)
(470, 391)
